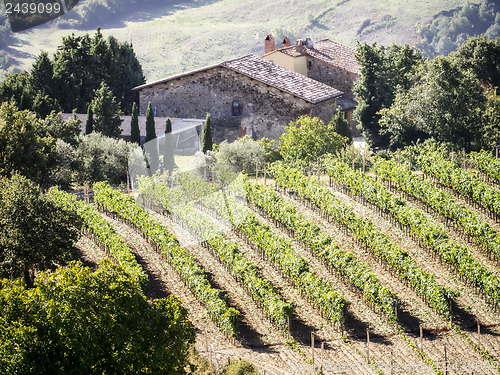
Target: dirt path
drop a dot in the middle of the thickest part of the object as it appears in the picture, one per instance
(88, 252)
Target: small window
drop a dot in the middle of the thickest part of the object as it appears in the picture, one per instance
(236, 108)
(309, 64)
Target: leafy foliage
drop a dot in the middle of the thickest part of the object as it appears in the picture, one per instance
(135, 132)
(89, 123)
(341, 126)
(22, 148)
(106, 110)
(90, 322)
(79, 68)
(179, 258)
(151, 145)
(100, 158)
(382, 71)
(307, 139)
(280, 251)
(168, 152)
(177, 202)
(463, 182)
(104, 234)
(325, 248)
(437, 296)
(37, 232)
(445, 104)
(243, 153)
(448, 30)
(458, 256)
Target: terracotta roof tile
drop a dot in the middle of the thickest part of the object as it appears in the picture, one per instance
(283, 79)
(328, 51)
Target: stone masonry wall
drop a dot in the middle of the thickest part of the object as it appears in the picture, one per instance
(265, 110)
(331, 75)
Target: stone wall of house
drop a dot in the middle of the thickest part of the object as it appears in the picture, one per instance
(331, 75)
(265, 110)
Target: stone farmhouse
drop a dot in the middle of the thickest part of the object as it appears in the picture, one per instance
(325, 61)
(258, 96)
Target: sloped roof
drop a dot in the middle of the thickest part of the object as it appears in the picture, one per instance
(270, 74)
(328, 51)
(283, 79)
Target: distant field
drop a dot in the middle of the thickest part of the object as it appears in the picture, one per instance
(173, 39)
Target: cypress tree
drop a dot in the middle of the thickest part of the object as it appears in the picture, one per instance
(135, 132)
(89, 124)
(150, 123)
(206, 135)
(168, 152)
(151, 142)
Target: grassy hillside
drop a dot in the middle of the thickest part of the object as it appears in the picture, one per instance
(170, 39)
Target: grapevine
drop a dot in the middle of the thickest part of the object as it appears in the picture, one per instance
(437, 296)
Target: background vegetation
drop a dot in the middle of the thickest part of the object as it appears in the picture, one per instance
(172, 37)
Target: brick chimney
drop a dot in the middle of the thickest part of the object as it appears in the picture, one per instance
(286, 42)
(301, 46)
(269, 43)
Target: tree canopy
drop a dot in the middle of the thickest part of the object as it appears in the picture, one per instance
(78, 68)
(106, 111)
(309, 138)
(81, 321)
(382, 71)
(36, 231)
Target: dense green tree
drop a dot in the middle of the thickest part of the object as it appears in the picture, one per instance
(445, 104)
(135, 132)
(36, 232)
(42, 75)
(206, 135)
(14, 87)
(74, 69)
(448, 30)
(340, 125)
(307, 139)
(244, 154)
(82, 321)
(168, 145)
(150, 123)
(126, 73)
(100, 158)
(106, 111)
(481, 57)
(382, 71)
(89, 123)
(490, 132)
(22, 149)
(54, 127)
(43, 105)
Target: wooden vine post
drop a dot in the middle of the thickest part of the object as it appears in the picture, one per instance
(322, 350)
(265, 174)
(421, 341)
(478, 335)
(368, 345)
(312, 351)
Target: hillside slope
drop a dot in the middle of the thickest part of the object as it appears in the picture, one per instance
(170, 39)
